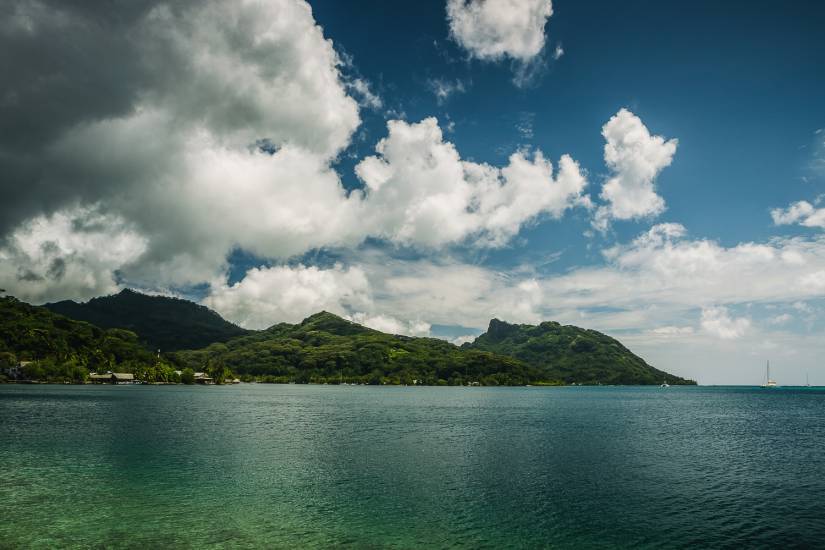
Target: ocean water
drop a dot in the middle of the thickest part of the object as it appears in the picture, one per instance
(285, 466)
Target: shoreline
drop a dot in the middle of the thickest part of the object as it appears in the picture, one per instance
(46, 383)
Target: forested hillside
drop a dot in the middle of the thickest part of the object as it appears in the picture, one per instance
(160, 322)
(570, 354)
(324, 348)
(327, 348)
(58, 349)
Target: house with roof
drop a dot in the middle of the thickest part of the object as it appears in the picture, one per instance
(203, 378)
(113, 378)
(200, 378)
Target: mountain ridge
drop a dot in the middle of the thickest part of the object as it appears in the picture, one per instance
(325, 347)
(161, 322)
(571, 354)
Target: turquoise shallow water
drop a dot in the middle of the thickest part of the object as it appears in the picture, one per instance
(392, 467)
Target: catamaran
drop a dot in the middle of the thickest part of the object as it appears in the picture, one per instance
(768, 382)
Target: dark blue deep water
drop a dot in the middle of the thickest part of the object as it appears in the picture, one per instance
(391, 467)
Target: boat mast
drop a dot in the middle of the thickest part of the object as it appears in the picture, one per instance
(768, 371)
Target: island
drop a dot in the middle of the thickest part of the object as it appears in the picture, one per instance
(39, 344)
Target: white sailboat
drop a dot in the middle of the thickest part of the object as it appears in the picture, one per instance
(768, 382)
(807, 380)
(665, 384)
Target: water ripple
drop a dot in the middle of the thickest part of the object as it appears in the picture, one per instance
(255, 466)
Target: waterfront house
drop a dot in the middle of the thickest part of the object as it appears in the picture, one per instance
(113, 378)
(124, 378)
(202, 378)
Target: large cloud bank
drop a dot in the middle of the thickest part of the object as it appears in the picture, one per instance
(663, 282)
(211, 126)
(206, 125)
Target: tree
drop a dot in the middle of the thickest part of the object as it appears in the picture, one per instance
(7, 360)
(187, 376)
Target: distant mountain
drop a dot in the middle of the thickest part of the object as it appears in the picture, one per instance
(164, 323)
(61, 349)
(570, 354)
(327, 348)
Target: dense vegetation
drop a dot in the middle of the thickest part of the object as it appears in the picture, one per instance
(324, 348)
(570, 354)
(327, 348)
(59, 349)
(160, 322)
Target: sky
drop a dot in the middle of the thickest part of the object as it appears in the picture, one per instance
(655, 171)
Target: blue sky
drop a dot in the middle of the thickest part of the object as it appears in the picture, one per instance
(739, 84)
(142, 166)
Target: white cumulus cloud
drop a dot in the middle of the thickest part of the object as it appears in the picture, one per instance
(635, 157)
(493, 29)
(270, 295)
(74, 252)
(420, 191)
(802, 213)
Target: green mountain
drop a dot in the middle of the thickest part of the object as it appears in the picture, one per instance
(322, 348)
(62, 349)
(160, 322)
(327, 348)
(570, 354)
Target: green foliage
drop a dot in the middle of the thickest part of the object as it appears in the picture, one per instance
(187, 376)
(325, 348)
(159, 372)
(160, 322)
(7, 359)
(64, 350)
(570, 354)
